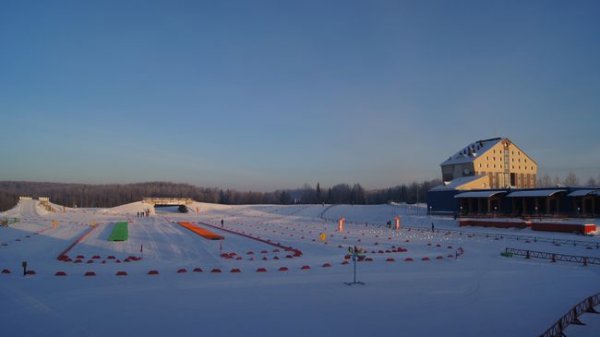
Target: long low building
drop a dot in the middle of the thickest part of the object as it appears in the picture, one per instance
(539, 202)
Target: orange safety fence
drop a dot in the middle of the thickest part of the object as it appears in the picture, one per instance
(201, 231)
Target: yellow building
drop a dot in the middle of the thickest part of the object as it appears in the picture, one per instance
(490, 163)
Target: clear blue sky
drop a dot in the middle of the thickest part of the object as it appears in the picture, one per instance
(264, 95)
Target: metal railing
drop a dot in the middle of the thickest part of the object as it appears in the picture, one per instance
(572, 316)
(585, 260)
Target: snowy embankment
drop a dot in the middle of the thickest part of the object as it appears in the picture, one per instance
(415, 283)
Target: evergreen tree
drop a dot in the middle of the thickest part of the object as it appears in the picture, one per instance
(318, 192)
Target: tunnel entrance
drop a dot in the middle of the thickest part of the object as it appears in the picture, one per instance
(159, 209)
(169, 205)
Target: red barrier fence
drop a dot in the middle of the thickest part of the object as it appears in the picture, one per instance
(496, 224)
(578, 228)
(585, 260)
(572, 316)
(296, 252)
(61, 256)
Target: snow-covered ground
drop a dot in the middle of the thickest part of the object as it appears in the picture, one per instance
(480, 293)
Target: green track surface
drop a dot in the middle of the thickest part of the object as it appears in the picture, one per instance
(120, 232)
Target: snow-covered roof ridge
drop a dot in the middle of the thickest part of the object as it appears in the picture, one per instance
(472, 151)
(455, 183)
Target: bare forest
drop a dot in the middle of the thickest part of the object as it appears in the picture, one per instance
(84, 195)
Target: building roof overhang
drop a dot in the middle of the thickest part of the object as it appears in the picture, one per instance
(478, 194)
(533, 193)
(583, 193)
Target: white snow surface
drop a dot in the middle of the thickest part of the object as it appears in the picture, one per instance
(477, 294)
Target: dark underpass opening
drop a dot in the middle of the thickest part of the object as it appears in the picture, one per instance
(164, 209)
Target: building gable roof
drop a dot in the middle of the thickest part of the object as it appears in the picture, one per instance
(472, 151)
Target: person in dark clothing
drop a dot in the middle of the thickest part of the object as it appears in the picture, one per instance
(432, 227)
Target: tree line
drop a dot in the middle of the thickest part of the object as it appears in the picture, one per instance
(544, 180)
(111, 195)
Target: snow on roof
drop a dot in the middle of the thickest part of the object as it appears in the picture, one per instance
(454, 184)
(583, 193)
(472, 151)
(533, 193)
(478, 194)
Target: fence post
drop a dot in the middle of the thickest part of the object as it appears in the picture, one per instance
(590, 308)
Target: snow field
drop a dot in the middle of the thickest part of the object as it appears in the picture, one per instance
(480, 293)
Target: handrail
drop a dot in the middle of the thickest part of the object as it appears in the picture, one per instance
(572, 316)
(585, 260)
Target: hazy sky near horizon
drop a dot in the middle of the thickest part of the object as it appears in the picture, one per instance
(275, 94)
